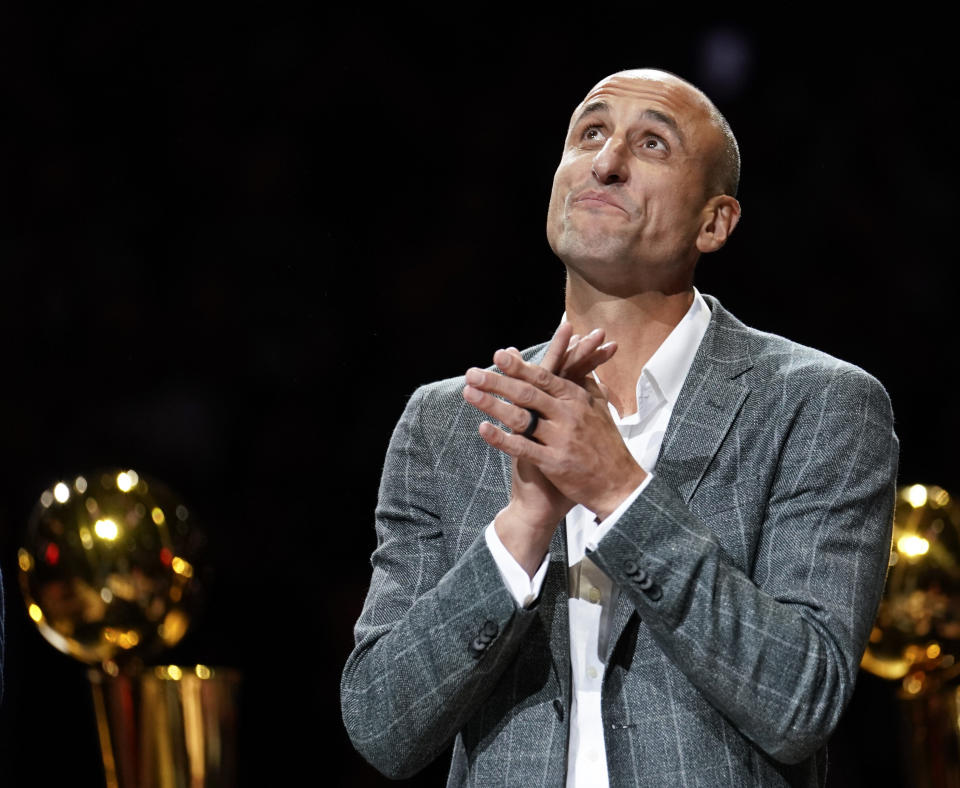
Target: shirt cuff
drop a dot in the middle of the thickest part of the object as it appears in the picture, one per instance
(522, 587)
(604, 527)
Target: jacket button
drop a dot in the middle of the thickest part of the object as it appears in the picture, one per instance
(654, 592)
(630, 567)
(640, 577)
(490, 628)
(646, 583)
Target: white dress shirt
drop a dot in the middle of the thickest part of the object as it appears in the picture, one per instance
(592, 594)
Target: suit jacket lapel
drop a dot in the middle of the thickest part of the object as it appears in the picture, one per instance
(709, 401)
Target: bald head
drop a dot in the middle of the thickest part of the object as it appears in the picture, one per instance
(645, 185)
(724, 174)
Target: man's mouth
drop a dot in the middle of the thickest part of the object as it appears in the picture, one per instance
(596, 199)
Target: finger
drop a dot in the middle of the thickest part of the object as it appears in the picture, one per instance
(515, 446)
(516, 354)
(580, 350)
(567, 355)
(586, 365)
(557, 348)
(571, 349)
(516, 418)
(519, 392)
(538, 376)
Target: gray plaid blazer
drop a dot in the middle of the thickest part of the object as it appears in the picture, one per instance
(750, 571)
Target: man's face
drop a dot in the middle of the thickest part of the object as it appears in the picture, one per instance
(632, 184)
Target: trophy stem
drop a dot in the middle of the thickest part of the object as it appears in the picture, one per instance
(167, 727)
(115, 702)
(103, 733)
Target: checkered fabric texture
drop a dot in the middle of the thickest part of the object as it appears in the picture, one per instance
(762, 545)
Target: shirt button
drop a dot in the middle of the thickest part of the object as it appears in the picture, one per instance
(594, 595)
(592, 672)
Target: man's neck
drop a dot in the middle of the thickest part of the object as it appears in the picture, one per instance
(639, 324)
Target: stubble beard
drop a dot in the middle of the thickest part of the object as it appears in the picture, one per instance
(590, 251)
(608, 263)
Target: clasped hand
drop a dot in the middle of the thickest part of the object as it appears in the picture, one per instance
(574, 455)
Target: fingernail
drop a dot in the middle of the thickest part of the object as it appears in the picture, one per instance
(474, 376)
(470, 394)
(502, 359)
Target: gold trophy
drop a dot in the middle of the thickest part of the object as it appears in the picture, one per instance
(107, 573)
(916, 636)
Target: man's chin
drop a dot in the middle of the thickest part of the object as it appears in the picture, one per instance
(597, 251)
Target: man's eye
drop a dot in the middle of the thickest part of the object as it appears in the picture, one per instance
(593, 134)
(654, 143)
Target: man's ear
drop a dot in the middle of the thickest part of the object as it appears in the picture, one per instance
(720, 217)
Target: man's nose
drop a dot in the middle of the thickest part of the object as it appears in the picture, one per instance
(610, 164)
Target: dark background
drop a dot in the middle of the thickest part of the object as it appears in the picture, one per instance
(233, 244)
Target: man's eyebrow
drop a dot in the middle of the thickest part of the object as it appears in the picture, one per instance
(664, 118)
(650, 114)
(592, 108)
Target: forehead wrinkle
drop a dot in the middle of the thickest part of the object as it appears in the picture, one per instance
(685, 96)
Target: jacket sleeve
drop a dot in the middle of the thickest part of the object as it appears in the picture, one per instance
(434, 634)
(774, 646)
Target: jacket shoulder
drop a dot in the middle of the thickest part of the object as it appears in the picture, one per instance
(774, 358)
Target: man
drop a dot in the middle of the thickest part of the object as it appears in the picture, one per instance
(662, 569)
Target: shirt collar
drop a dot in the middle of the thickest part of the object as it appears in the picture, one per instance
(671, 362)
(669, 365)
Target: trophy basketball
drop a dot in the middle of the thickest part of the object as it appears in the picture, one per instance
(107, 572)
